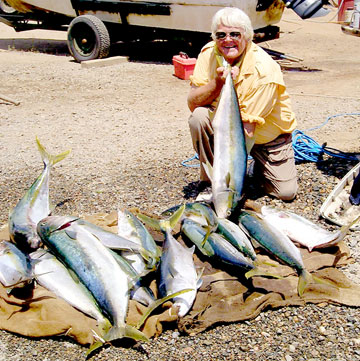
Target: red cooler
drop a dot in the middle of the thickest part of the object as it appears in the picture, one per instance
(183, 65)
(344, 5)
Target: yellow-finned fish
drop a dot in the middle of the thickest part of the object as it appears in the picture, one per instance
(97, 268)
(33, 206)
(230, 156)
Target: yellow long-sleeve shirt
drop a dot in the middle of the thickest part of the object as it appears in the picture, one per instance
(260, 88)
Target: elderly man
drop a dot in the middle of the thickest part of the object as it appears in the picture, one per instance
(264, 103)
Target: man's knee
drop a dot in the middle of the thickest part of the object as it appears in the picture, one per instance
(285, 191)
(198, 118)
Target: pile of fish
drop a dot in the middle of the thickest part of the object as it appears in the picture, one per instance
(98, 271)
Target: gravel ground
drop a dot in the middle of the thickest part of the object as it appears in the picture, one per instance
(126, 125)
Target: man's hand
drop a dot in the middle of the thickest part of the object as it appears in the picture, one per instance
(223, 72)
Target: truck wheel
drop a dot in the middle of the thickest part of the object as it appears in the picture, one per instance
(88, 38)
(6, 8)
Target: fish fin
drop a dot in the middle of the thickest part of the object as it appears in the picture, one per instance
(344, 230)
(169, 223)
(94, 347)
(304, 279)
(47, 157)
(227, 180)
(199, 281)
(117, 332)
(259, 272)
(159, 302)
(175, 218)
(258, 263)
(71, 233)
(168, 212)
(208, 170)
(208, 232)
(249, 143)
(152, 222)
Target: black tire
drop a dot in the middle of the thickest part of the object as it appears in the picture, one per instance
(88, 38)
(5, 8)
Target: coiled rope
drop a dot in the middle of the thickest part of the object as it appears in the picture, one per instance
(308, 150)
(305, 148)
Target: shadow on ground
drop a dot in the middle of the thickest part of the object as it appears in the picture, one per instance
(47, 46)
(137, 51)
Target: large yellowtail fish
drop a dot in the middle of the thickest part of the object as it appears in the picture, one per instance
(303, 231)
(230, 155)
(15, 266)
(236, 236)
(33, 206)
(277, 243)
(97, 269)
(178, 276)
(54, 276)
(215, 245)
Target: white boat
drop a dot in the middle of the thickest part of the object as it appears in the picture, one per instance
(337, 207)
(94, 24)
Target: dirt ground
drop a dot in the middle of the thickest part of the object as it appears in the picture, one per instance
(128, 118)
(127, 127)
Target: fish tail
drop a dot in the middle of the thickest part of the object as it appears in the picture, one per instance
(345, 229)
(259, 272)
(165, 224)
(304, 279)
(104, 326)
(208, 170)
(171, 222)
(159, 302)
(133, 333)
(117, 332)
(114, 333)
(152, 222)
(49, 158)
(94, 347)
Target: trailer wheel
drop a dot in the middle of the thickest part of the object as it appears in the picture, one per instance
(6, 8)
(88, 38)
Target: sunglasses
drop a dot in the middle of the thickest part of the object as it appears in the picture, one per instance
(235, 35)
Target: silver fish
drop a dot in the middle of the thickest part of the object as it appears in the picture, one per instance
(54, 276)
(215, 245)
(303, 231)
(34, 205)
(15, 266)
(130, 227)
(230, 155)
(177, 268)
(277, 243)
(178, 271)
(236, 236)
(97, 269)
(114, 241)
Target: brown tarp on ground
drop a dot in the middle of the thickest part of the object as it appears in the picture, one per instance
(225, 296)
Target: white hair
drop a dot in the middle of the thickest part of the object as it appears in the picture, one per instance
(234, 18)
